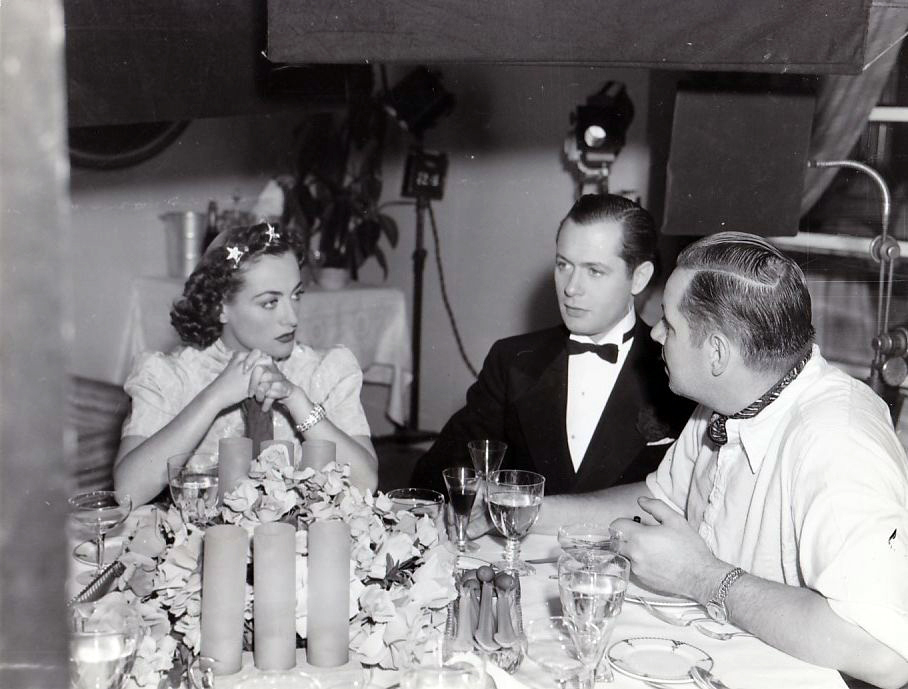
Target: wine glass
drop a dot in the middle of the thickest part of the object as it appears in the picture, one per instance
(486, 456)
(584, 539)
(103, 642)
(514, 497)
(193, 479)
(430, 661)
(548, 643)
(592, 590)
(462, 484)
(100, 511)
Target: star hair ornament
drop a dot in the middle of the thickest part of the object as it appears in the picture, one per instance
(235, 254)
(272, 234)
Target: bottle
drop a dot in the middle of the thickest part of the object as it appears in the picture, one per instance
(211, 226)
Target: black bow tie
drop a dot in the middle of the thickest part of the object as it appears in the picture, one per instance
(608, 352)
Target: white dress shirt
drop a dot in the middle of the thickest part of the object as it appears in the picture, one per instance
(591, 380)
(811, 492)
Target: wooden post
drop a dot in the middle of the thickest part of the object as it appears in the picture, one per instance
(35, 332)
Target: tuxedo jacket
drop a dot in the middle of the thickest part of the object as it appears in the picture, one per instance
(520, 397)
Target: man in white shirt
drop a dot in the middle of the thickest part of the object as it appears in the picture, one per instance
(783, 505)
(586, 404)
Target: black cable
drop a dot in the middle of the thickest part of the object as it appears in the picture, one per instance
(444, 294)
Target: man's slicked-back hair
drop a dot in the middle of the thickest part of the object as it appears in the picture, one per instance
(746, 288)
(639, 236)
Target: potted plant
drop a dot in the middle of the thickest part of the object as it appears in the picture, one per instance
(335, 191)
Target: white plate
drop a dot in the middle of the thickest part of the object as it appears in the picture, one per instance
(637, 594)
(87, 552)
(652, 659)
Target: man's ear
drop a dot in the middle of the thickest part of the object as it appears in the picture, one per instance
(641, 276)
(719, 352)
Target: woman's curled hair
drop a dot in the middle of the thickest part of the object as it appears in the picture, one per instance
(217, 278)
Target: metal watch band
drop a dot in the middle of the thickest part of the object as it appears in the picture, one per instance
(722, 591)
(317, 414)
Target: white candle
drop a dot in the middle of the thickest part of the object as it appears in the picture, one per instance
(328, 594)
(223, 596)
(274, 601)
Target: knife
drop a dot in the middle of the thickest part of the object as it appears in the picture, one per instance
(542, 560)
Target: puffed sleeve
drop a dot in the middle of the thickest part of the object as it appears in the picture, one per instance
(850, 507)
(336, 384)
(671, 481)
(155, 387)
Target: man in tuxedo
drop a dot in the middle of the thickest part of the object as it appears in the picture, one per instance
(586, 404)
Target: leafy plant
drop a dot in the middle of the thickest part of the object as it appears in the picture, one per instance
(337, 186)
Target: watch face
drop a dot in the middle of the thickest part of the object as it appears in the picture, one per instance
(717, 612)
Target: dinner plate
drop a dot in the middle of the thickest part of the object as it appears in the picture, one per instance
(87, 551)
(653, 659)
(637, 594)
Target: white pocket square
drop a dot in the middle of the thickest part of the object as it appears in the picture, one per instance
(661, 441)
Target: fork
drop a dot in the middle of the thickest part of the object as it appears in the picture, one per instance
(719, 636)
(670, 619)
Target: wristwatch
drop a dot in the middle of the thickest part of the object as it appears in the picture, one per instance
(715, 608)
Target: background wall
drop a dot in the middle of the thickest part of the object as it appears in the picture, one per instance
(507, 188)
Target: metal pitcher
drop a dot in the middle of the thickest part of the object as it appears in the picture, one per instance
(185, 231)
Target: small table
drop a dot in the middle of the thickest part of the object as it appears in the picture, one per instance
(370, 321)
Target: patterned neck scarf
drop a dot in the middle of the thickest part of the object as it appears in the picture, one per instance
(716, 428)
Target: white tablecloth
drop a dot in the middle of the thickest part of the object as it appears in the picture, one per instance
(371, 321)
(742, 663)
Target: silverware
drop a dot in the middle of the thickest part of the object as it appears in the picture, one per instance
(719, 636)
(704, 679)
(542, 560)
(670, 619)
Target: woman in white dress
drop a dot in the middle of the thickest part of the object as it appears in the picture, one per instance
(237, 320)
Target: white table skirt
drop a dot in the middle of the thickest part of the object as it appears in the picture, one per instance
(370, 321)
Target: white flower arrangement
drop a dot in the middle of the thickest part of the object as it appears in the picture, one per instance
(400, 572)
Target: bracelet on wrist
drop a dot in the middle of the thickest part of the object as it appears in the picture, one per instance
(313, 417)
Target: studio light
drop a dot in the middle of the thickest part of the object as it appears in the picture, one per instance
(418, 101)
(599, 131)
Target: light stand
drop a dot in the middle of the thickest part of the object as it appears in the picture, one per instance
(888, 368)
(417, 102)
(424, 177)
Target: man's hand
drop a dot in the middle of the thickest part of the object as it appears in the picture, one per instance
(669, 555)
(480, 522)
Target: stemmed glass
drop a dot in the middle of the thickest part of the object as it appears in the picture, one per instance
(462, 484)
(103, 642)
(486, 456)
(514, 497)
(548, 643)
(592, 591)
(430, 662)
(193, 479)
(100, 511)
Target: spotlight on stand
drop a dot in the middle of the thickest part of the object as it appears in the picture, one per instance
(417, 103)
(598, 135)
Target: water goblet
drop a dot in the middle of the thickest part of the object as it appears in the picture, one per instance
(548, 643)
(581, 538)
(193, 479)
(103, 642)
(514, 497)
(100, 511)
(462, 484)
(431, 662)
(592, 590)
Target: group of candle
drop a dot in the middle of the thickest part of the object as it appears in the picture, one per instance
(274, 582)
